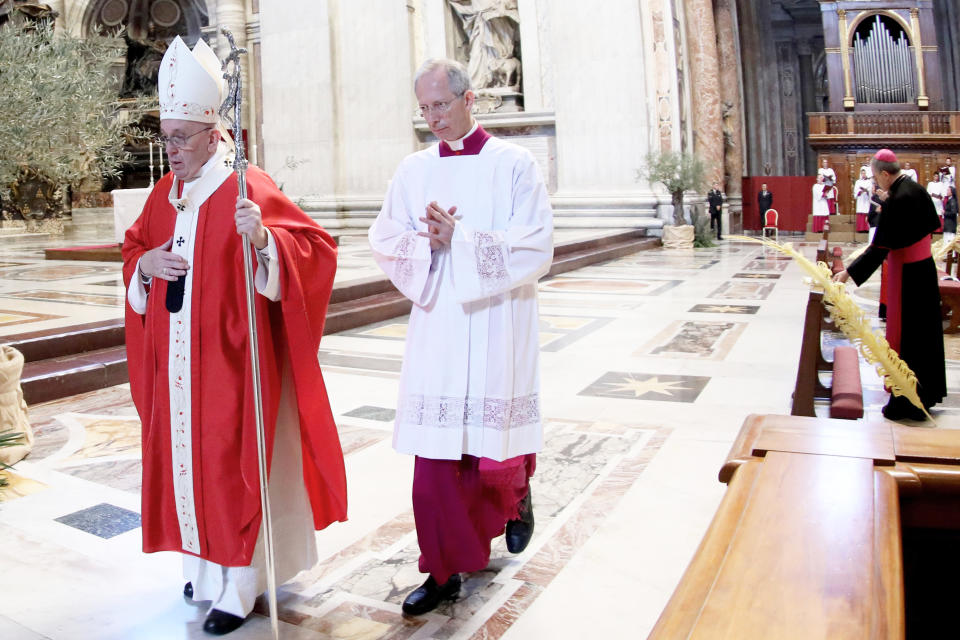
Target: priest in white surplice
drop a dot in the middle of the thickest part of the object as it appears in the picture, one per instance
(465, 232)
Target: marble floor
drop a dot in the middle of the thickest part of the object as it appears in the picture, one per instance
(649, 365)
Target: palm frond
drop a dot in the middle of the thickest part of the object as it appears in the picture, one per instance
(851, 320)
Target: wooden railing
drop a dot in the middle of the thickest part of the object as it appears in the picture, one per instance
(919, 124)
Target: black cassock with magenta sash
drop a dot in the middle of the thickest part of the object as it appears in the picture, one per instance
(914, 327)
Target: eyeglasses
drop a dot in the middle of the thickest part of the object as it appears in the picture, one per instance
(438, 108)
(180, 141)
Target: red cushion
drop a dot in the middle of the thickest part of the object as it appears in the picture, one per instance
(846, 398)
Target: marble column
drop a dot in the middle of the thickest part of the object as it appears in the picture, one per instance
(705, 86)
(729, 59)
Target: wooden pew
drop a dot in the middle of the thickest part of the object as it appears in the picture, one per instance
(950, 292)
(807, 543)
(845, 394)
(804, 543)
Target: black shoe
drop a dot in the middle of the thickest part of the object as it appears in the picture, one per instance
(220, 623)
(188, 591)
(427, 596)
(520, 531)
(901, 409)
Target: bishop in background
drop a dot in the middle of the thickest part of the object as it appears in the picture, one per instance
(188, 350)
(465, 232)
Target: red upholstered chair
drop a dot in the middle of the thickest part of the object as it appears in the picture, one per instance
(770, 220)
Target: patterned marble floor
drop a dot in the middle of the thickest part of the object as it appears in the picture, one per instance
(649, 365)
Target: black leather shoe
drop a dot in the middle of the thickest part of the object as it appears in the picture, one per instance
(220, 623)
(427, 596)
(188, 591)
(899, 408)
(520, 531)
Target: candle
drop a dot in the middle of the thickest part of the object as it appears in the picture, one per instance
(151, 164)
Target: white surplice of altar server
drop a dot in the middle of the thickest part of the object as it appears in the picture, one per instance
(936, 190)
(910, 173)
(829, 175)
(863, 189)
(820, 196)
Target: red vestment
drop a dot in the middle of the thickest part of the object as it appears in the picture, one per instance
(223, 434)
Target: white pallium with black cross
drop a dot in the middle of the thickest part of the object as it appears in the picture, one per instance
(195, 193)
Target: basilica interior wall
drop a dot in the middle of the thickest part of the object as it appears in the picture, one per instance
(337, 101)
(603, 127)
(339, 109)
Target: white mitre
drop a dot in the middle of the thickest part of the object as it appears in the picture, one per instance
(190, 83)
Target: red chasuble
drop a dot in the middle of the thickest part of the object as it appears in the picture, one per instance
(225, 468)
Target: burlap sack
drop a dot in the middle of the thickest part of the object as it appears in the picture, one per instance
(13, 408)
(675, 237)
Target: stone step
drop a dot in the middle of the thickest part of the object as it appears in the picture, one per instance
(53, 378)
(15, 236)
(571, 260)
(66, 341)
(374, 299)
(96, 253)
(837, 236)
(72, 360)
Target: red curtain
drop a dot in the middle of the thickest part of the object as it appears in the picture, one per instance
(792, 198)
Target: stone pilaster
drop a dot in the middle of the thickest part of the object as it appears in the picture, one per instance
(705, 86)
(232, 14)
(662, 72)
(729, 59)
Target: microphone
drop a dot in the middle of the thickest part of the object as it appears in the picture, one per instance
(174, 300)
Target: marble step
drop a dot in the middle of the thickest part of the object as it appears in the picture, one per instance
(72, 360)
(837, 236)
(65, 341)
(53, 378)
(581, 257)
(95, 253)
(375, 299)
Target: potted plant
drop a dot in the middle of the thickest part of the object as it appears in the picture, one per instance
(678, 172)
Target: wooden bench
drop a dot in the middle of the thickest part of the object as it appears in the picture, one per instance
(845, 393)
(950, 292)
(819, 532)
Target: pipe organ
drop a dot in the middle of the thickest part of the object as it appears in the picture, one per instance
(883, 65)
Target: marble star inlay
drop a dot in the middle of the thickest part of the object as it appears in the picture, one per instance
(724, 308)
(650, 385)
(647, 386)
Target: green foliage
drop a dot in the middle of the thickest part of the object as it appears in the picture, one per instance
(678, 172)
(59, 113)
(702, 235)
(8, 439)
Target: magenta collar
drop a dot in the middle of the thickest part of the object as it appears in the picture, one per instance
(472, 144)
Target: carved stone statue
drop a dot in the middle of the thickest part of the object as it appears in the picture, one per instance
(492, 28)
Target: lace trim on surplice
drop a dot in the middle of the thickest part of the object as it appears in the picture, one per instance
(404, 272)
(491, 265)
(490, 413)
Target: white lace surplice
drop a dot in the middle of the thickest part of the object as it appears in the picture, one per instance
(820, 207)
(470, 381)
